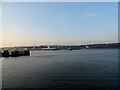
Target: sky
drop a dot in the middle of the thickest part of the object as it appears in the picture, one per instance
(59, 23)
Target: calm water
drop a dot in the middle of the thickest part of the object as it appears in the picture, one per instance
(62, 69)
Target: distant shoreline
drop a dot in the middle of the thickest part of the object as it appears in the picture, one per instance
(67, 47)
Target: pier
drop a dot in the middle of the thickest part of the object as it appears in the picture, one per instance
(15, 53)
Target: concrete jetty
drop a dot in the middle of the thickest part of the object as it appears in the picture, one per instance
(15, 53)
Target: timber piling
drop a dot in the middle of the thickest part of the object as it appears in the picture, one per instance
(15, 53)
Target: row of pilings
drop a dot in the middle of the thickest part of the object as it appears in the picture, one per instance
(15, 53)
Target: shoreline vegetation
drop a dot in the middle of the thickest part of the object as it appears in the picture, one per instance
(64, 47)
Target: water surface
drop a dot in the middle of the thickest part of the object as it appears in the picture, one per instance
(62, 69)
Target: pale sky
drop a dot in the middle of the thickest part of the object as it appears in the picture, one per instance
(59, 23)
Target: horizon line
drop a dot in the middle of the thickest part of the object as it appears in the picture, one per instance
(59, 44)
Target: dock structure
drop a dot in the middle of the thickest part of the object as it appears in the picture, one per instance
(15, 53)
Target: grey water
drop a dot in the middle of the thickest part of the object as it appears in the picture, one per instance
(62, 69)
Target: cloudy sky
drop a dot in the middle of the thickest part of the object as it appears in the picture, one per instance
(30, 23)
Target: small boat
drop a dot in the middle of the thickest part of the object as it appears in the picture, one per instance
(70, 49)
(49, 48)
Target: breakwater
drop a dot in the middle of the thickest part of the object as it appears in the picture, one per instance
(15, 53)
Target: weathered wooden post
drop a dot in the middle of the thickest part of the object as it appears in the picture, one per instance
(5, 53)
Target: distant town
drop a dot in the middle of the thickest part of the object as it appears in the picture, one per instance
(66, 47)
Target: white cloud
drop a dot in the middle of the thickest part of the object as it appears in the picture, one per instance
(88, 15)
(12, 33)
(13, 28)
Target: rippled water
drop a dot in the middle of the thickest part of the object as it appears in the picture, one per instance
(62, 69)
